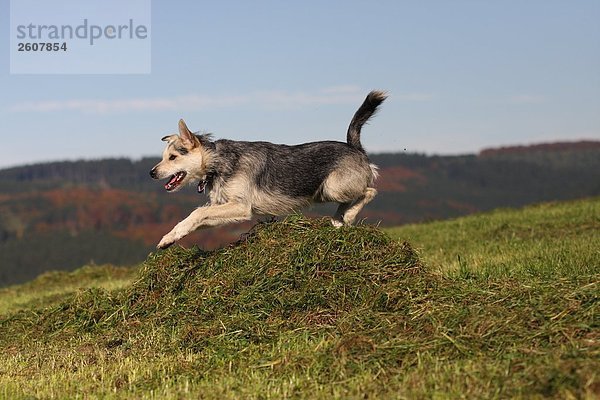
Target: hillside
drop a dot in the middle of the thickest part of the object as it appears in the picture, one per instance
(300, 309)
(110, 211)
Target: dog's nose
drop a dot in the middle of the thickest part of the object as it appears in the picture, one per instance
(153, 173)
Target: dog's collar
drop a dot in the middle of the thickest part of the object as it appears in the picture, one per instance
(208, 179)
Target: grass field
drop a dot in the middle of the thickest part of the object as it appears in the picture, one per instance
(498, 305)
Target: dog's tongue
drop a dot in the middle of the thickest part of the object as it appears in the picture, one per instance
(169, 185)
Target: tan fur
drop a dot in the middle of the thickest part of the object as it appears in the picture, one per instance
(347, 182)
(239, 187)
(238, 199)
(204, 217)
(352, 212)
(194, 163)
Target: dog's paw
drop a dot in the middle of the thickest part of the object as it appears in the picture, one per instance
(336, 223)
(165, 242)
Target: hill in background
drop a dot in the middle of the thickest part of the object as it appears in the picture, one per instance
(65, 214)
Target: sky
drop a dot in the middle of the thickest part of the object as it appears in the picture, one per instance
(461, 75)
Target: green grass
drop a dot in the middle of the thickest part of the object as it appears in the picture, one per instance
(300, 309)
(552, 239)
(56, 286)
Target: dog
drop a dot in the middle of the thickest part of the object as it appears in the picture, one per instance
(243, 179)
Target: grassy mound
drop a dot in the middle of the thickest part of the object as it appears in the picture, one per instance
(288, 275)
(283, 276)
(301, 309)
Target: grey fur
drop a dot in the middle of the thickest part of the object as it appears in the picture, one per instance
(247, 178)
(362, 115)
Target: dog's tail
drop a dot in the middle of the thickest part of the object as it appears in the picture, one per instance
(362, 115)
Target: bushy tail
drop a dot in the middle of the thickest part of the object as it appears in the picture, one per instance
(362, 115)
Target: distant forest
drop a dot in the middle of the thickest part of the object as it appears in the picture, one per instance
(62, 215)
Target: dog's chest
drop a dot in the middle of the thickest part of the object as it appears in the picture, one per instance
(219, 192)
(216, 194)
(236, 189)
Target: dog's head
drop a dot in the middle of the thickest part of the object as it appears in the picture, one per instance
(183, 161)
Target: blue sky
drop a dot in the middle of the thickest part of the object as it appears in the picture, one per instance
(462, 75)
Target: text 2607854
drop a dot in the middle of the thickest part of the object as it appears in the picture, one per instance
(42, 46)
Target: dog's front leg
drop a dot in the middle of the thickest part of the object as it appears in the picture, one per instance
(204, 217)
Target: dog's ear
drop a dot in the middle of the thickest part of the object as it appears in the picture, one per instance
(189, 139)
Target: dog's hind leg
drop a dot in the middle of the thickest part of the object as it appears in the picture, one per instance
(203, 217)
(338, 218)
(352, 211)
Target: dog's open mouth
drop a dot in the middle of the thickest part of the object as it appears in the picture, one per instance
(175, 181)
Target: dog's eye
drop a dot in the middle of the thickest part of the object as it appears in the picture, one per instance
(172, 157)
